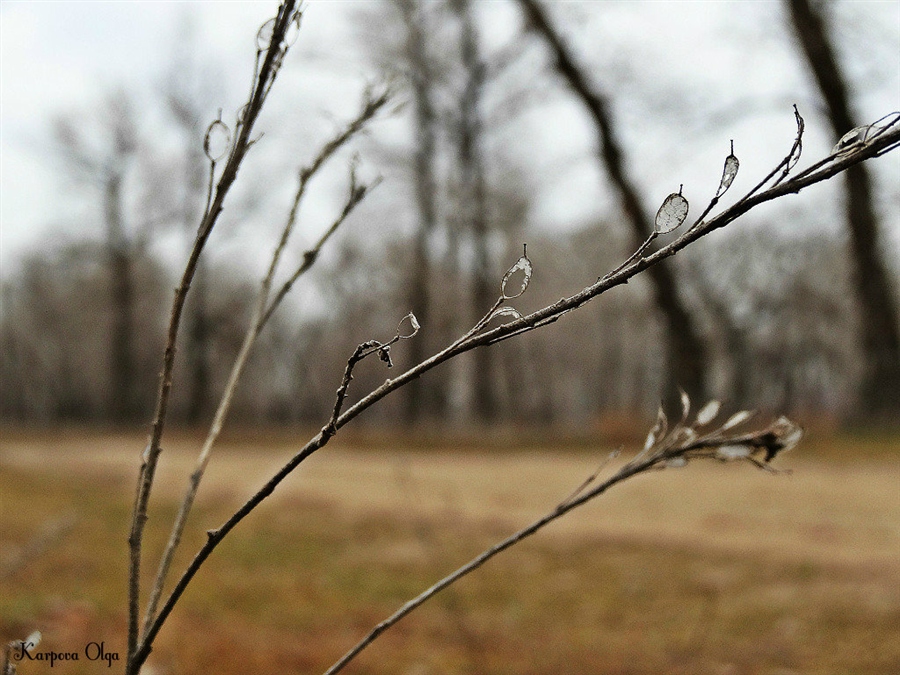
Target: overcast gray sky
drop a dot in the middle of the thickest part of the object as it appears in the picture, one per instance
(732, 59)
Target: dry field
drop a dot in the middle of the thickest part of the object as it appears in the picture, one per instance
(718, 569)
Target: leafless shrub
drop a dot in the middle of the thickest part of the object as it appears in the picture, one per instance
(667, 445)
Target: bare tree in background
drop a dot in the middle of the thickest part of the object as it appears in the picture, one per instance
(421, 398)
(880, 386)
(671, 443)
(183, 103)
(473, 200)
(686, 352)
(106, 168)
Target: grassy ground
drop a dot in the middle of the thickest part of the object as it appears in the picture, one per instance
(709, 569)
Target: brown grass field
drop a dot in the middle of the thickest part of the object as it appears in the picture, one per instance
(719, 569)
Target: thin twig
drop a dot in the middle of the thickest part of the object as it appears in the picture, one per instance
(150, 459)
(667, 449)
(263, 310)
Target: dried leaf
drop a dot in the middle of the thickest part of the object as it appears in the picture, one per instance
(729, 172)
(506, 311)
(293, 30)
(217, 141)
(853, 139)
(413, 326)
(264, 35)
(658, 431)
(523, 264)
(737, 418)
(672, 213)
(708, 412)
(685, 404)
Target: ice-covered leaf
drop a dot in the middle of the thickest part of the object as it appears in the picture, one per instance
(685, 404)
(789, 432)
(217, 141)
(506, 311)
(853, 139)
(708, 412)
(729, 172)
(737, 418)
(658, 431)
(523, 264)
(293, 30)
(406, 333)
(264, 35)
(672, 213)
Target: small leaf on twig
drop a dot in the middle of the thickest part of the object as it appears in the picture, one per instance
(506, 311)
(729, 172)
(737, 418)
(523, 264)
(854, 139)
(413, 327)
(708, 412)
(293, 29)
(217, 141)
(685, 404)
(264, 35)
(672, 213)
(658, 431)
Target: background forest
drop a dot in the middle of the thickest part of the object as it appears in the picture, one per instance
(492, 142)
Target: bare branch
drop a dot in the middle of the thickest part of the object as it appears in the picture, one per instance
(262, 312)
(770, 441)
(287, 15)
(675, 449)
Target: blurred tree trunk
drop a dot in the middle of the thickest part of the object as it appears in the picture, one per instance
(199, 335)
(880, 386)
(421, 398)
(120, 263)
(686, 351)
(473, 204)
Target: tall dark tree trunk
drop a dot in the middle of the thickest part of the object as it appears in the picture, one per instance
(686, 351)
(880, 387)
(122, 299)
(474, 205)
(421, 398)
(199, 335)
